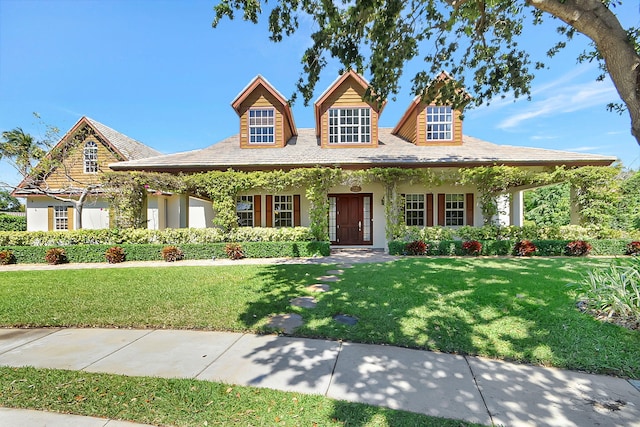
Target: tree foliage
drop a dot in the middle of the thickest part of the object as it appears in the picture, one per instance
(548, 206)
(8, 203)
(476, 41)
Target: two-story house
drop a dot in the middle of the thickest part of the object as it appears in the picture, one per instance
(347, 136)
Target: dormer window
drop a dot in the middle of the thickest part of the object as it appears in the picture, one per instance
(439, 123)
(90, 157)
(261, 126)
(349, 125)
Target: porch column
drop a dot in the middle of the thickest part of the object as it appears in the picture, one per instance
(517, 208)
(183, 208)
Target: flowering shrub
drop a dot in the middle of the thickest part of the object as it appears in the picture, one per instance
(577, 248)
(524, 248)
(633, 248)
(234, 251)
(55, 256)
(472, 247)
(172, 253)
(7, 257)
(115, 255)
(417, 247)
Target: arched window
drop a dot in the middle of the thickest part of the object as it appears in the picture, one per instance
(90, 157)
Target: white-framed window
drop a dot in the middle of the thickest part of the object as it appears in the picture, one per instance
(244, 211)
(60, 218)
(439, 123)
(261, 126)
(349, 125)
(90, 157)
(414, 209)
(454, 209)
(283, 211)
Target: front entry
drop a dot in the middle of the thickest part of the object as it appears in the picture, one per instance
(350, 219)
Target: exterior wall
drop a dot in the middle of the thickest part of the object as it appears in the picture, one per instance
(200, 213)
(74, 165)
(95, 213)
(261, 97)
(349, 94)
(478, 219)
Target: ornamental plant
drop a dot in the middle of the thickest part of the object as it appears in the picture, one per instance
(417, 247)
(633, 248)
(524, 248)
(577, 248)
(115, 255)
(472, 247)
(55, 256)
(172, 253)
(7, 257)
(234, 251)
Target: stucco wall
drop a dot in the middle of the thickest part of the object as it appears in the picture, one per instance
(95, 214)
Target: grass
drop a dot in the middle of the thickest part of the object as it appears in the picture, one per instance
(182, 402)
(512, 309)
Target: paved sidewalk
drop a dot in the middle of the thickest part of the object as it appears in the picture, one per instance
(467, 388)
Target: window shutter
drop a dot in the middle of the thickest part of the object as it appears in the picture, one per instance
(50, 218)
(469, 208)
(70, 221)
(257, 210)
(296, 210)
(269, 209)
(441, 209)
(430, 210)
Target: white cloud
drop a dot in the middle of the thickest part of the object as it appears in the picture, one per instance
(588, 148)
(563, 99)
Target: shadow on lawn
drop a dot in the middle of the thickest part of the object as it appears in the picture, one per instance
(512, 309)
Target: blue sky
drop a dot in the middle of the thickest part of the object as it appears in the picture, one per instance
(158, 72)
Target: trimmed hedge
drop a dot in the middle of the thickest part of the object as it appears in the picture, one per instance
(505, 247)
(12, 223)
(151, 252)
(169, 236)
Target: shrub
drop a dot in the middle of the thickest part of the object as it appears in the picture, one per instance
(13, 223)
(172, 253)
(7, 257)
(115, 255)
(234, 251)
(524, 248)
(614, 291)
(55, 256)
(472, 247)
(577, 248)
(633, 248)
(417, 247)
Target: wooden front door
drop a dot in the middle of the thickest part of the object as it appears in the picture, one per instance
(350, 219)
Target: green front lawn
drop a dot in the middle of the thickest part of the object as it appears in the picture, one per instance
(182, 402)
(512, 309)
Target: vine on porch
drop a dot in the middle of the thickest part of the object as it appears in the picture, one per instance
(127, 190)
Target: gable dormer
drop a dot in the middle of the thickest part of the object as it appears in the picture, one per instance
(431, 123)
(266, 120)
(343, 117)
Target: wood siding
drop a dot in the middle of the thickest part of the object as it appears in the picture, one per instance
(262, 98)
(349, 94)
(74, 166)
(409, 128)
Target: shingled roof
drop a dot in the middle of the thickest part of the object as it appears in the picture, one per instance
(304, 151)
(130, 148)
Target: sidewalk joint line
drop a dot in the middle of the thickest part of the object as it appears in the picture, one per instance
(475, 381)
(219, 356)
(30, 341)
(333, 370)
(118, 349)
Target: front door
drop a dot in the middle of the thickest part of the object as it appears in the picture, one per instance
(350, 219)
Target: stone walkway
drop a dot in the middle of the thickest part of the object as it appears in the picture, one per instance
(289, 322)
